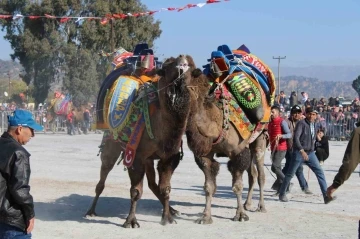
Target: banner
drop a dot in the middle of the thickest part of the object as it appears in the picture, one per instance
(105, 19)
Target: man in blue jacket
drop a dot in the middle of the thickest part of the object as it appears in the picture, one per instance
(17, 215)
(303, 151)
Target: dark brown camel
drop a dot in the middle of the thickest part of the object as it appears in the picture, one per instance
(206, 137)
(168, 125)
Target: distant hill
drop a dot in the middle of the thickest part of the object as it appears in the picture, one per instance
(316, 88)
(323, 73)
(9, 66)
(317, 81)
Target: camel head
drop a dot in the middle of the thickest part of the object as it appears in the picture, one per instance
(175, 76)
(199, 85)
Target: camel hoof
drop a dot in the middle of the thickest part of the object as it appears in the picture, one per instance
(131, 223)
(174, 212)
(261, 209)
(247, 207)
(241, 217)
(204, 220)
(168, 220)
(90, 213)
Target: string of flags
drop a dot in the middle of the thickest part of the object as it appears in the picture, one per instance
(105, 19)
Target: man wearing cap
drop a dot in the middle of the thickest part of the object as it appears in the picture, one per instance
(303, 152)
(16, 203)
(295, 116)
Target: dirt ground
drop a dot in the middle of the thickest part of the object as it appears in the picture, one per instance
(65, 170)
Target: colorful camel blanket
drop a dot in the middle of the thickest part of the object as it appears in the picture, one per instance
(128, 107)
(251, 82)
(237, 116)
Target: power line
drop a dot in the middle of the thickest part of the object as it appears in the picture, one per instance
(279, 59)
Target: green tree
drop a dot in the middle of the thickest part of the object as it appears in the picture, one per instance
(50, 51)
(356, 85)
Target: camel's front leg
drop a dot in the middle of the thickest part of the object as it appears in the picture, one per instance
(258, 148)
(166, 168)
(210, 168)
(151, 178)
(252, 175)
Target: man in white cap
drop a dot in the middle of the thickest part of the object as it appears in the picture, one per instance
(17, 207)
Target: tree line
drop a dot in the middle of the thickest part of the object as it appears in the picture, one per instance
(67, 53)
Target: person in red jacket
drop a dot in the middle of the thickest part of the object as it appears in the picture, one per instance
(278, 133)
(70, 122)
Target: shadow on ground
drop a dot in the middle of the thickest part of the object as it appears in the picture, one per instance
(74, 207)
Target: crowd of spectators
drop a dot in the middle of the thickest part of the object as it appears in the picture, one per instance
(335, 115)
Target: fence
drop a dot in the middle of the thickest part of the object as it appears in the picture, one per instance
(58, 125)
(337, 126)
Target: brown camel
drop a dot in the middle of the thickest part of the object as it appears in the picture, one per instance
(79, 115)
(206, 137)
(168, 125)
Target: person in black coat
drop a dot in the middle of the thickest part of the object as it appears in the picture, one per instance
(17, 214)
(321, 146)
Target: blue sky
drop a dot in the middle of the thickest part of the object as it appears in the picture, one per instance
(317, 32)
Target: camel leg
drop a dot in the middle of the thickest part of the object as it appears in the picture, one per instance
(252, 175)
(237, 165)
(258, 148)
(166, 168)
(136, 175)
(151, 178)
(109, 156)
(210, 168)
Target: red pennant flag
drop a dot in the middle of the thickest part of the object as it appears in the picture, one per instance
(180, 9)
(104, 21)
(171, 8)
(191, 5)
(34, 17)
(64, 19)
(136, 14)
(152, 12)
(119, 16)
(5, 16)
(212, 1)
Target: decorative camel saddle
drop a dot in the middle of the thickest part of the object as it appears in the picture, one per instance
(61, 103)
(127, 99)
(244, 87)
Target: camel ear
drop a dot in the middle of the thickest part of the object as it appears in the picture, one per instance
(160, 72)
(196, 73)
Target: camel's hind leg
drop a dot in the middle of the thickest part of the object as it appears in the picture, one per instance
(109, 156)
(237, 165)
(258, 148)
(136, 174)
(166, 168)
(151, 178)
(210, 168)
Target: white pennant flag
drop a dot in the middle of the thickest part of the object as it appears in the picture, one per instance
(17, 16)
(201, 4)
(129, 14)
(79, 19)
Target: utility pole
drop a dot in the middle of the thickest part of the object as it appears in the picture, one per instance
(279, 59)
(9, 75)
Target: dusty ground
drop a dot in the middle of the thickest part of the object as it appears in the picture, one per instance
(65, 170)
